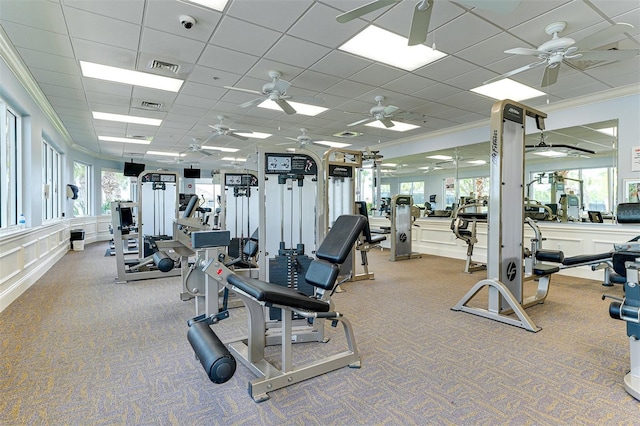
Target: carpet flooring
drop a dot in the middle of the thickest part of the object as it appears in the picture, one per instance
(78, 349)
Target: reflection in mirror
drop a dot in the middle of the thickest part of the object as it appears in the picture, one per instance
(571, 171)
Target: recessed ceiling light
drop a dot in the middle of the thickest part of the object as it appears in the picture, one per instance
(478, 162)
(303, 109)
(218, 5)
(333, 144)
(398, 126)
(220, 148)
(125, 140)
(233, 159)
(126, 118)
(440, 157)
(508, 89)
(389, 165)
(389, 48)
(550, 153)
(254, 135)
(609, 131)
(136, 78)
(166, 153)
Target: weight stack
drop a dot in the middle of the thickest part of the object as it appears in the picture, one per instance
(289, 271)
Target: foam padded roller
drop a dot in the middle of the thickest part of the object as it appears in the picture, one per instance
(212, 353)
(162, 261)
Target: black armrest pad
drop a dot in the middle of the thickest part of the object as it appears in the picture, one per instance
(544, 269)
(274, 294)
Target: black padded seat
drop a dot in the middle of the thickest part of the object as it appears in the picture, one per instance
(274, 294)
(481, 217)
(585, 258)
(544, 269)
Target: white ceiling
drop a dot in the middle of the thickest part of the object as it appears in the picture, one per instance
(300, 39)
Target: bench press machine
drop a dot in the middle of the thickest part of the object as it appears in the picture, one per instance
(218, 359)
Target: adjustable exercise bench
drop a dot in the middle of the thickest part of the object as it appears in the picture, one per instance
(218, 359)
(366, 242)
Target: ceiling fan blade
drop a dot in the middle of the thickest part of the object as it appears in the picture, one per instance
(364, 120)
(237, 136)
(251, 103)
(597, 39)
(363, 10)
(290, 138)
(285, 106)
(550, 76)
(525, 51)
(517, 71)
(390, 109)
(387, 123)
(210, 138)
(502, 7)
(420, 22)
(608, 55)
(240, 89)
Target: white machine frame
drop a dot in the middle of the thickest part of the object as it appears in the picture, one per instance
(505, 250)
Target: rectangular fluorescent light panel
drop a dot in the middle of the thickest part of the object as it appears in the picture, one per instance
(136, 78)
(440, 157)
(507, 89)
(166, 153)
(233, 159)
(126, 118)
(389, 48)
(124, 140)
(333, 144)
(303, 109)
(398, 126)
(254, 135)
(476, 162)
(220, 148)
(609, 131)
(218, 5)
(551, 153)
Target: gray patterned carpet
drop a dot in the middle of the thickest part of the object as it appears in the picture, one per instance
(78, 349)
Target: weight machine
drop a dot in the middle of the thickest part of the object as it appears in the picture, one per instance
(403, 214)
(505, 251)
(154, 223)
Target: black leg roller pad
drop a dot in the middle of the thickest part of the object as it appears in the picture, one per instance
(162, 261)
(212, 353)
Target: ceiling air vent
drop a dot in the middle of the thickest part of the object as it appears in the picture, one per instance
(154, 64)
(156, 106)
(347, 134)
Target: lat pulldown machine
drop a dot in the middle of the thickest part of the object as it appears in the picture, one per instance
(505, 250)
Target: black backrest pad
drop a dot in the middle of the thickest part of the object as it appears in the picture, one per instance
(338, 243)
(361, 208)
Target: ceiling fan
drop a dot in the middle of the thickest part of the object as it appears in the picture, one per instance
(195, 147)
(554, 51)
(422, 13)
(222, 130)
(276, 91)
(303, 139)
(384, 114)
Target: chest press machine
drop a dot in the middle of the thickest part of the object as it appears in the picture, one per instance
(218, 359)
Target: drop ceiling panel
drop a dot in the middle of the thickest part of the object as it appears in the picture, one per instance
(315, 81)
(56, 78)
(458, 33)
(170, 47)
(102, 29)
(525, 12)
(164, 15)
(124, 10)
(445, 68)
(275, 14)
(61, 64)
(39, 40)
(341, 64)
(319, 25)
(489, 50)
(48, 18)
(261, 39)
(225, 59)
(291, 50)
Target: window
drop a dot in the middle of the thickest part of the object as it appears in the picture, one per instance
(10, 166)
(51, 206)
(475, 188)
(115, 186)
(415, 189)
(82, 179)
